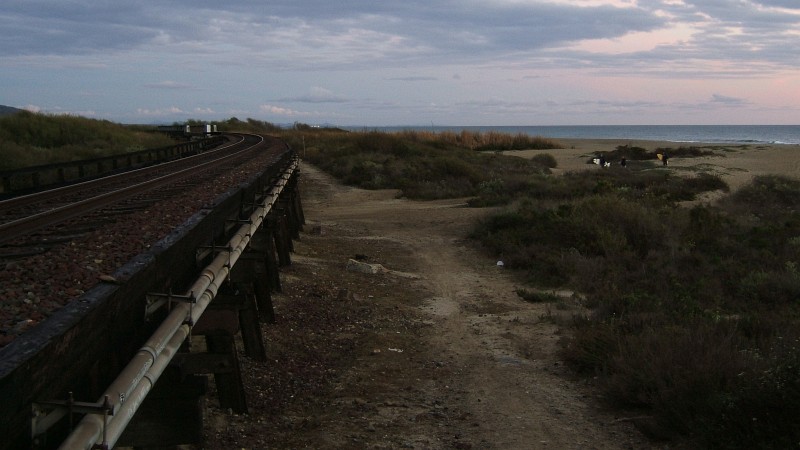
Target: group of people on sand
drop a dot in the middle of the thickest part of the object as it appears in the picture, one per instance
(601, 160)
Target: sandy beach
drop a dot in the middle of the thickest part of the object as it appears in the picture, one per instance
(737, 164)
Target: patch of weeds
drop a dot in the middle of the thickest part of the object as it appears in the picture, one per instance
(537, 296)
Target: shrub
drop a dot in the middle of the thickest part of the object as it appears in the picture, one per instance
(685, 152)
(408, 162)
(545, 160)
(694, 311)
(766, 197)
(629, 152)
(591, 347)
(29, 139)
(489, 141)
(536, 296)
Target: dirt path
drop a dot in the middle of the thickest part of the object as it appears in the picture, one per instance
(471, 365)
(435, 352)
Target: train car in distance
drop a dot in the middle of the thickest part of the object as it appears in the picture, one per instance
(188, 131)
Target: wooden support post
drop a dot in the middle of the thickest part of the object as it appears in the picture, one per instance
(171, 415)
(251, 326)
(298, 205)
(230, 389)
(261, 255)
(292, 208)
(286, 212)
(264, 242)
(294, 189)
(235, 310)
(270, 260)
(218, 325)
(285, 205)
(281, 238)
(286, 231)
(243, 299)
(261, 290)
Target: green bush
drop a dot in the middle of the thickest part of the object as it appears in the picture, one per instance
(684, 152)
(629, 152)
(545, 160)
(768, 197)
(536, 296)
(30, 139)
(489, 141)
(409, 162)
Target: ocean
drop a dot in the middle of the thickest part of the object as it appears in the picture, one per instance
(729, 134)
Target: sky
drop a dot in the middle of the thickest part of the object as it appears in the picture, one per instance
(406, 63)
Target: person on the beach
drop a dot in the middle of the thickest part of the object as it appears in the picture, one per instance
(623, 162)
(664, 158)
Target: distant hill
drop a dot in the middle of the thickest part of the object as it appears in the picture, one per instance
(6, 110)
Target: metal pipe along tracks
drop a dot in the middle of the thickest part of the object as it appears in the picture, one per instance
(126, 394)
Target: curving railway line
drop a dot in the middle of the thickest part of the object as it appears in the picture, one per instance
(23, 216)
(89, 272)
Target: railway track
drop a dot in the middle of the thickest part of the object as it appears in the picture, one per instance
(74, 314)
(56, 252)
(22, 217)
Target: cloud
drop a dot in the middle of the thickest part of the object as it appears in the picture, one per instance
(169, 85)
(317, 95)
(729, 101)
(282, 111)
(309, 34)
(387, 61)
(416, 78)
(76, 27)
(159, 112)
(346, 32)
(788, 4)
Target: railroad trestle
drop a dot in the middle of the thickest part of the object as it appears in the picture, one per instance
(64, 385)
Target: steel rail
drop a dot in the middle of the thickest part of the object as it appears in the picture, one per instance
(104, 181)
(20, 227)
(129, 390)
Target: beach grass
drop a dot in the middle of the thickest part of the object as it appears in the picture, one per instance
(31, 139)
(420, 165)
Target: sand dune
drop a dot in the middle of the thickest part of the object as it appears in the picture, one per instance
(736, 164)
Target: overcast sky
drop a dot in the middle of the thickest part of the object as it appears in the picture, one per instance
(406, 62)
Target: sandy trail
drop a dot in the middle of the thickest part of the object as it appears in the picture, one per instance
(503, 376)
